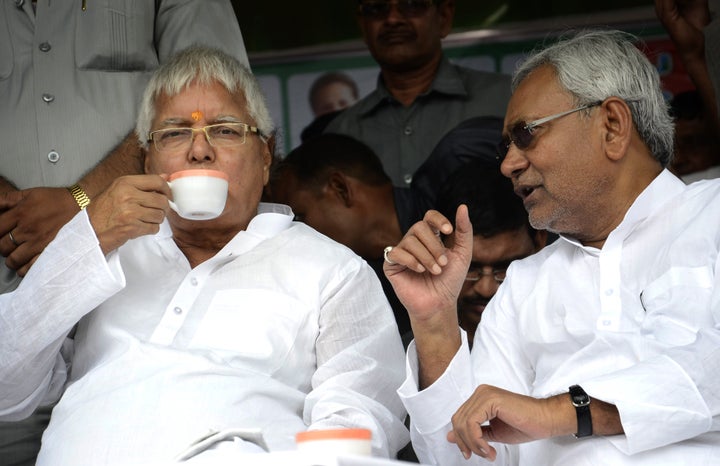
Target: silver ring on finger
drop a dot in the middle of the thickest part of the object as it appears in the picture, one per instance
(386, 251)
(12, 238)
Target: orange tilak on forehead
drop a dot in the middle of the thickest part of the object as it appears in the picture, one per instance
(196, 115)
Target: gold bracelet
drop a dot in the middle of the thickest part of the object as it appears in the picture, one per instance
(80, 196)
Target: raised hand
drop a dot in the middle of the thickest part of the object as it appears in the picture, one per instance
(684, 20)
(132, 206)
(427, 277)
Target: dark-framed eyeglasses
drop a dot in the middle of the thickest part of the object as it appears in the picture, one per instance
(377, 9)
(476, 272)
(217, 135)
(521, 134)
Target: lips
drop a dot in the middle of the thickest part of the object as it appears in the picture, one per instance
(524, 191)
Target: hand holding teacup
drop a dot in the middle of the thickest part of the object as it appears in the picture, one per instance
(136, 205)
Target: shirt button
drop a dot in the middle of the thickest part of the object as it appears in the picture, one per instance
(53, 156)
(609, 292)
(194, 281)
(407, 178)
(408, 130)
(19, 3)
(47, 98)
(177, 310)
(45, 47)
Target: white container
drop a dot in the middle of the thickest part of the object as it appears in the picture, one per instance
(198, 194)
(324, 446)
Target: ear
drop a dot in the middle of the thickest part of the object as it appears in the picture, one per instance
(446, 13)
(268, 149)
(339, 187)
(619, 127)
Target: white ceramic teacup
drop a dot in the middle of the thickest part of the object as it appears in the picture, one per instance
(323, 446)
(198, 194)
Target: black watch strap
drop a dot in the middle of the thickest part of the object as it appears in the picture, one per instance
(581, 401)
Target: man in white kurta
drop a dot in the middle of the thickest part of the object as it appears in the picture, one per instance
(248, 321)
(614, 320)
(612, 333)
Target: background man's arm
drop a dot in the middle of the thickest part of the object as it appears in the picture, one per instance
(35, 215)
(684, 21)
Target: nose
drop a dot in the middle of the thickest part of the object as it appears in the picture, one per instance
(394, 14)
(200, 148)
(486, 286)
(514, 162)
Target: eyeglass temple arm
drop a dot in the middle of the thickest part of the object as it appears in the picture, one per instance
(559, 115)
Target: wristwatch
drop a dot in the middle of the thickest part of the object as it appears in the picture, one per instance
(581, 401)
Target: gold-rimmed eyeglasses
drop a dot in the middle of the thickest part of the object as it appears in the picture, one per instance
(217, 135)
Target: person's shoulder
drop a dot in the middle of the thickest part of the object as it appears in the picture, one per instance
(347, 119)
(305, 242)
(484, 88)
(704, 192)
(474, 75)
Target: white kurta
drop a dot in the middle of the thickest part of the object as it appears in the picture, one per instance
(282, 330)
(636, 324)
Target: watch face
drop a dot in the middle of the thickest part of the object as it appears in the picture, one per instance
(578, 396)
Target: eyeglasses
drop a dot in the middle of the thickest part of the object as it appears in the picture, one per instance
(521, 133)
(407, 8)
(476, 272)
(217, 135)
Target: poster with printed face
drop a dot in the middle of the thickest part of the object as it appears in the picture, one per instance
(316, 93)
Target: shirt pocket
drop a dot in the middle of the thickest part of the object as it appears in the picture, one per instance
(250, 329)
(116, 35)
(677, 304)
(7, 58)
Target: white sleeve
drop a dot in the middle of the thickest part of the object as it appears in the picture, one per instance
(70, 278)
(431, 409)
(359, 362)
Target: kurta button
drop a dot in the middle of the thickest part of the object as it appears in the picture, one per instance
(408, 130)
(177, 310)
(53, 156)
(407, 178)
(194, 281)
(48, 98)
(45, 47)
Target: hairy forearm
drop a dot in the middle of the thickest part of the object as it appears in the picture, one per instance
(125, 159)
(605, 417)
(700, 75)
(436, 345)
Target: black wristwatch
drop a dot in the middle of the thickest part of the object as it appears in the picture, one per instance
(581, 401)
